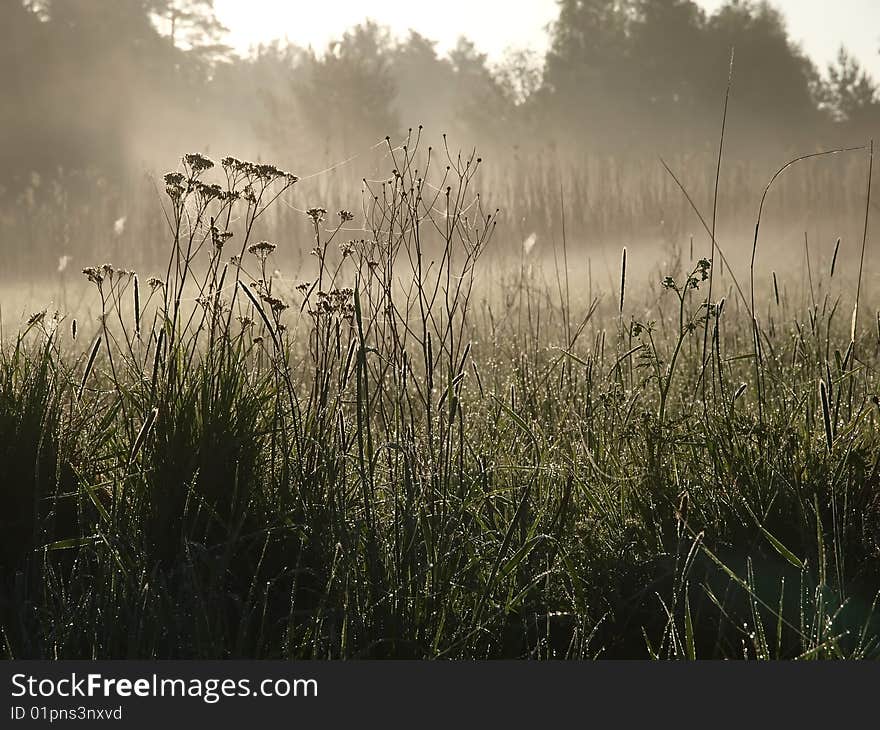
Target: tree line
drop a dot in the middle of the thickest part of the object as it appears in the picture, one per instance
(116, 85)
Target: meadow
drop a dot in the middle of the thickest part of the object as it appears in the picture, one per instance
(445, 436)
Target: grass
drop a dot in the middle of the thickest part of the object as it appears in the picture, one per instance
(413, 454)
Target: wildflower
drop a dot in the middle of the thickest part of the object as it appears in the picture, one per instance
(208, 192)
(303, 286)
(155, 282)
(262, 249)
(235, 260)
(94, 274)
(345, 216)
(198, 163)
(219, 237)
(316, 214)
(267, 172)
(347, 248)
(36, 317)
(277, 305)
(704, 267)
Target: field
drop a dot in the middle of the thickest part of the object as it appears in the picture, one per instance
(445, 436)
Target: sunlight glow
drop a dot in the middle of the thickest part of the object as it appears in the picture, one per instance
(495, 25)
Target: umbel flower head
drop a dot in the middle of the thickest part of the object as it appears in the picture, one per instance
(218, 237)
(257, 171)
(262, 249)
(197, 163)
(317, 214)
(94, 274)
(174, 185)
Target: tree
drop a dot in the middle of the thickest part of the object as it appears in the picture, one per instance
(849, 93)
(588, 71)
(773, 101)
(191, 25)
(345, 98)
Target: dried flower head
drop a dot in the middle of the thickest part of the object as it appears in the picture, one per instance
(317, 214)
(345, 216)
(262, 249)
(36, 317)
(218, 237)
(197, 163)
(277, 305)
(347, 248)
(207, 193)
(94, 274)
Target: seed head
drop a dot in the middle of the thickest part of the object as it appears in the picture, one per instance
(198, 163)
(262, 249)
(316, 214)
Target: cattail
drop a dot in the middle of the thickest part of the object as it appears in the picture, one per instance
(622, 279)
(776, 288)
(826, 415)
(73, 329)
(92, 355)
(137, 307)
(834, 257)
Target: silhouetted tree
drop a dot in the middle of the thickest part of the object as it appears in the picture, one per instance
(191, 25)
(850, 94)
(774, 97)
(588, 79)
(346, 97)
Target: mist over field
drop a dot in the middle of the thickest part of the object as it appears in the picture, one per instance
(376, 350)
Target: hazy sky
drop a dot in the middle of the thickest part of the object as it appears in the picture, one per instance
(819, 25)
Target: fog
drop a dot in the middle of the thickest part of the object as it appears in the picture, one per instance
(600, 142)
